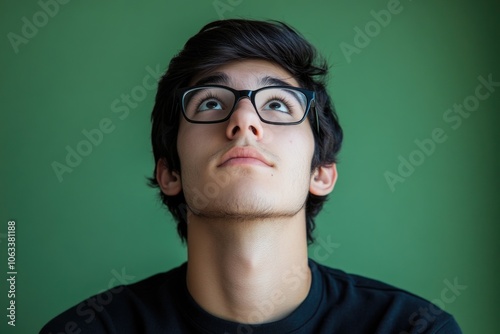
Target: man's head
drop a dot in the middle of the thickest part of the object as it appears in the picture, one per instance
(297, 161)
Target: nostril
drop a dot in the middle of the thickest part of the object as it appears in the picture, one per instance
(254, 130)
(235, 130)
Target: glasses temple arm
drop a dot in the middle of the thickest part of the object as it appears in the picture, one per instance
(313, 106)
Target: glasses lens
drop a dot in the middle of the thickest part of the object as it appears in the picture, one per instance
(277, 105)
(281, 105)
(207, 104)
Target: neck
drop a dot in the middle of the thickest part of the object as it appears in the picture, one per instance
(248, 271)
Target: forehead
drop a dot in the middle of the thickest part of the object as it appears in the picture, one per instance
(247, 74)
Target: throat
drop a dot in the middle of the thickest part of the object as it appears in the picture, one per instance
(236, 275)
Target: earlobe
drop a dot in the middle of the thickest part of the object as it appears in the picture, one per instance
(169, 182)
(323, 180)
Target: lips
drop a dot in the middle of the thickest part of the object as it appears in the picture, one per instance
(244, 156)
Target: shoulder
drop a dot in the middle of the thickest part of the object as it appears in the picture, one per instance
(124, 306)
(352, 285)
(387, 307)
(361, 285)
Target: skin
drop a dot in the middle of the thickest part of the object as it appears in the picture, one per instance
(247, 246)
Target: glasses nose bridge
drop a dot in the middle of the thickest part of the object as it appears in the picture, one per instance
(244, 94)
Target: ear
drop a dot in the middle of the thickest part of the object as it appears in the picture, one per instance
(323, 180)
(170, 182)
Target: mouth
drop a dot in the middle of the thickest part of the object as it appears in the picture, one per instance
(244, 156)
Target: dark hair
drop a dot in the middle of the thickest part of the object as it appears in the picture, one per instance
(224, 41)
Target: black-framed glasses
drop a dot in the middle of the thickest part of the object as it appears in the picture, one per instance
(279, 105)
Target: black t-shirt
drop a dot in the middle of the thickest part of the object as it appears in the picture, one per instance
(337, 303)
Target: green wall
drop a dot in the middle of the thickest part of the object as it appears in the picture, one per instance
(434, 220)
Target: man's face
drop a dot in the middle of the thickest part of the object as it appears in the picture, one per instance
(242, 167)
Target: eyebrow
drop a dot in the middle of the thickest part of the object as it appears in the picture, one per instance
(215, 79)
(223, 79)
(272, 81)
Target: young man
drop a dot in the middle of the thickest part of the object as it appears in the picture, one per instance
(245, 140)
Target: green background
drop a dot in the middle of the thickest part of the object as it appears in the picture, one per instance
(441, 223)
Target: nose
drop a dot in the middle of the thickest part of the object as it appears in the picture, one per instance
(244, 121)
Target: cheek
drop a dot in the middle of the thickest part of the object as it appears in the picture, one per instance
(300, 146)
(195, 144)
(187, 150)
(189, 140)
(183, 151)
(296, 154)
(189, 157)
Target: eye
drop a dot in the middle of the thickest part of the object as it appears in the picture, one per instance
(210, 104)
(277, 105)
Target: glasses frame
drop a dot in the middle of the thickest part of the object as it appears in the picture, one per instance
(250, 94)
